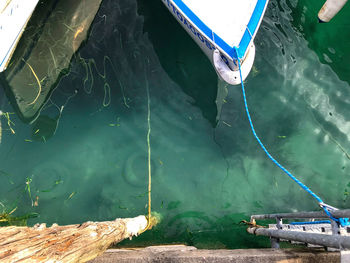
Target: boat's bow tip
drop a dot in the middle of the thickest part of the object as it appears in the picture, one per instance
(230, 76)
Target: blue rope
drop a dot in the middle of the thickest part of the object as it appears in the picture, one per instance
(311, 222)
(307, 189)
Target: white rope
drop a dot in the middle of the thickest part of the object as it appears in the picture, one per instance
(249, 32)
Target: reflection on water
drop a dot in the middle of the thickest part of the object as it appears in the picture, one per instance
(54, 33)
(207, 174)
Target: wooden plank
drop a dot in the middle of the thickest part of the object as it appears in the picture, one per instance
(72, 243)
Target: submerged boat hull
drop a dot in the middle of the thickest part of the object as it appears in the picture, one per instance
(209, 41)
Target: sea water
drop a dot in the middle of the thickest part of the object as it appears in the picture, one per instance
(208, 172)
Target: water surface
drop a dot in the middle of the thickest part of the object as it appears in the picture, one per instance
(208, 171)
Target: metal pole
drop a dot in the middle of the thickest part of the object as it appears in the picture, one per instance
(335, 228)
(335, 241)
(291, 215)
(321, 214)
(341, 213)
(275, 242)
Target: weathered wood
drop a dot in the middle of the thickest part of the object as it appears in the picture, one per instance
(72, 243)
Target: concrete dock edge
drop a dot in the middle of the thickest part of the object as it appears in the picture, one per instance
(184, 254)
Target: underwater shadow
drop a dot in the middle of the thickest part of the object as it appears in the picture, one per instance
(180, 57)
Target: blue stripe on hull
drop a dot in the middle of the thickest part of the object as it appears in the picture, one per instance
(252, 26)
(230, 51)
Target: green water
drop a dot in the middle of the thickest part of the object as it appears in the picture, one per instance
(207, 174)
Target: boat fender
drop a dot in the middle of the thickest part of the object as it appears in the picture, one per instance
(224, 72)
(330, 9)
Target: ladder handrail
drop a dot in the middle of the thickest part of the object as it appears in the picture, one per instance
(335, 241)
(299, 215)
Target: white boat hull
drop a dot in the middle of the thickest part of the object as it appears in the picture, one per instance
(14, 16)
(209, 41)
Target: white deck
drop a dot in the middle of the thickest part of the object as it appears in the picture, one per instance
(227, 18)
(14, 15)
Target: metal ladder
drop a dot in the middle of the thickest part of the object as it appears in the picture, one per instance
(313, 234)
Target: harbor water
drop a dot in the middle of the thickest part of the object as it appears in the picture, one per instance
(87, 161)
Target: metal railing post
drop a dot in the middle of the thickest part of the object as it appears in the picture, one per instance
(275, 242)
